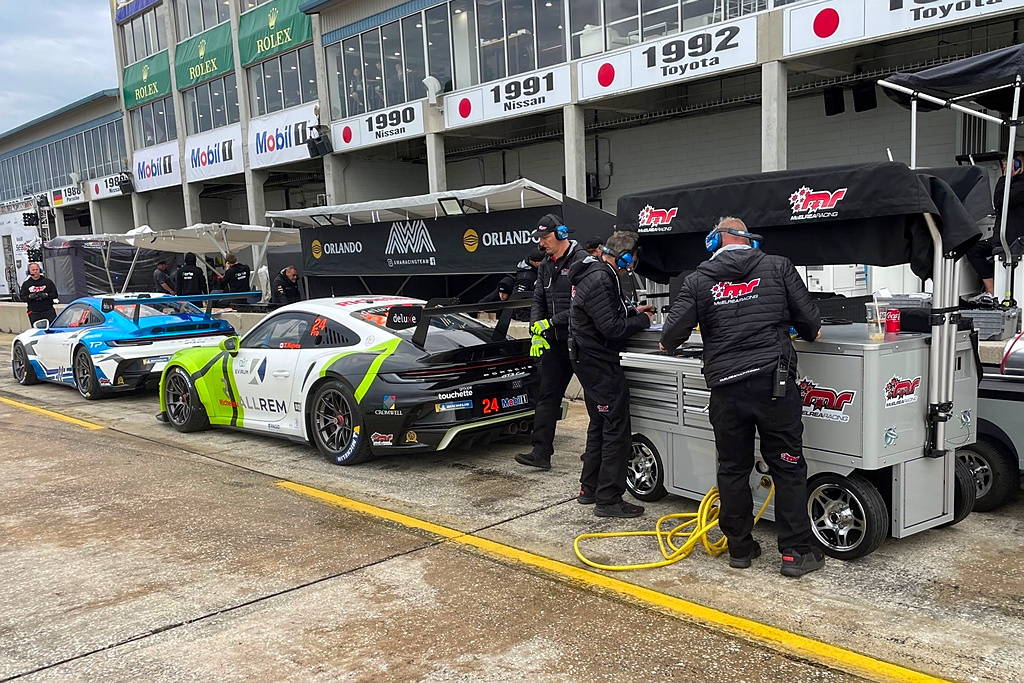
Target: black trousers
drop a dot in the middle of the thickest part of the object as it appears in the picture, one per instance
(555, 375)
(737, 409)
(610, 434)
(33, 316)
(978, 255)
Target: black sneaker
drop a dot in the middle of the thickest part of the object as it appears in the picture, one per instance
(585, 498)
(744, 562)
(534, 460)
(620, 509)
(796, 565)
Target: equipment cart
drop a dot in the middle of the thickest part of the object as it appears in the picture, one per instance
(881, 418)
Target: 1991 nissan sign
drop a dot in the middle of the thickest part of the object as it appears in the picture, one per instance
(687, 56)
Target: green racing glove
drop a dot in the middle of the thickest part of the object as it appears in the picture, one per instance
(538, 346)
(540, 327)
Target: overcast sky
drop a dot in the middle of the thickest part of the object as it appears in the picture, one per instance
(52, 53)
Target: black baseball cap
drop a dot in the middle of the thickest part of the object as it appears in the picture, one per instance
(548, 224)
(593, 242)
(506, 285)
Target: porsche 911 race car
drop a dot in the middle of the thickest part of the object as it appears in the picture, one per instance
(108, 344)
(358, 376)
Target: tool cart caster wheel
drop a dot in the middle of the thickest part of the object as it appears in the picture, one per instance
(849, 518)
(995, 470)
(965, 492)
(645, 474)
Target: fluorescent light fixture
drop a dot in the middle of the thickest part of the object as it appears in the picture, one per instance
(451, 206)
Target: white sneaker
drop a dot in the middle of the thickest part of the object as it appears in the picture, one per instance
(984, 299)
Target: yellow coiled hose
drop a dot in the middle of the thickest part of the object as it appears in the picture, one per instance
(691, 532)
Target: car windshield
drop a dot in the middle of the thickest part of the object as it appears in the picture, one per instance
(154, 307)
(451, 330)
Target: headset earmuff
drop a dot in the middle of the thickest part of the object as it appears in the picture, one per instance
(1016, 163)
(562, 233)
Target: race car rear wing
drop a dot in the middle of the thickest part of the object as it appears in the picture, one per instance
(404, 317)
(107, 303)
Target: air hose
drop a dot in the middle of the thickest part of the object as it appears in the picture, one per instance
(691, 532)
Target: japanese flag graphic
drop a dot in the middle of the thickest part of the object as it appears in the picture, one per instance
(822, 24)
(610, 73)
(347, 134)
(464, 108)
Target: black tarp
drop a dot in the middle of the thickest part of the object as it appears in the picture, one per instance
(79, 267)
(866, 213)
(474, 243)
(971, 186)
(963, 77)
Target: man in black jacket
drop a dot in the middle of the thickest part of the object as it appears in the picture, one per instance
(236, 275)
(745, 302)
(285, 287)
(600, 323)
(980, 253)
(549, 326)
(39, 293)
(190, 279)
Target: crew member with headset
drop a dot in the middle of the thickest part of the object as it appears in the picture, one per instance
(39, 293)
(601, 321)
(750, 367)
(549, 326)
(190, 279)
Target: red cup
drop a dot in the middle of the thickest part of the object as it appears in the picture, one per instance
(892, 321)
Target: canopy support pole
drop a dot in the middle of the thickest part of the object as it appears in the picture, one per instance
(131, 269)
(1009, 261)
(106, 267)
(947, 104)
(939, 406)
(913, 132)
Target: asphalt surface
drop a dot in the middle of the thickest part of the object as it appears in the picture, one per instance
(138, 552)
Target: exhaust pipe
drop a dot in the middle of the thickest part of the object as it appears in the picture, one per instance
(526, 426)
(513, 428)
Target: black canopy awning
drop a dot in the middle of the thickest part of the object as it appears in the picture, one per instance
(963, 77)
(867, 213)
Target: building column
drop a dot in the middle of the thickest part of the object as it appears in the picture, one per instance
(575, 153)
(437, 172)
(58, 222)
(140, 209)
(96, 218)
(256, 198)
(334, 178)
(774, 116)
(193, 211)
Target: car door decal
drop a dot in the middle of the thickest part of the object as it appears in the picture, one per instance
(382, 350)
(228, 385)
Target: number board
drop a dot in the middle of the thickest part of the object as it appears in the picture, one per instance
(683, 57)
(107, 186)
(524, 94)
(378, 127)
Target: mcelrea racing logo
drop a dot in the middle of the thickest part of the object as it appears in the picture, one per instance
(899, 391)
(824, 403)
(655, 220)
(808, 204)
(731, 293)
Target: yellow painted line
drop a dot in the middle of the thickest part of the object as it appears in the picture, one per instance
(51, 414)
(777, 639)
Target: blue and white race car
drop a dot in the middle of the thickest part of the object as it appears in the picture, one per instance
(117, 343)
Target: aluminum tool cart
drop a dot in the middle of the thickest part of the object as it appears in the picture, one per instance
(881, 418)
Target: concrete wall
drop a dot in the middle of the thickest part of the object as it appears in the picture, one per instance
(113, 216)
(543, 163)
(165, 209)
(368, 179)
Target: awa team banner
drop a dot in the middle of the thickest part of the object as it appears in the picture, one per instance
(156, 167)
(477, 243)
(683, 57)
(281, 138)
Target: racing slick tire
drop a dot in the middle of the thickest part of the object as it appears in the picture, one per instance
(849, 518)
(84, 373)
(336, 424)
(995, 470)
(965, 493)
(645, 473)
(185, 412)
(23, 371)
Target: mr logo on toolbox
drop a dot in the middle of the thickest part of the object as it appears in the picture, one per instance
(734, 292)
(651, 219)
(808, 204)
(899, 391)
(824, 403)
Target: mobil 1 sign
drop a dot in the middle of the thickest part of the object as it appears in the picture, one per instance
(281, 138)
(524, 94)
(378, 127)
(686, 56)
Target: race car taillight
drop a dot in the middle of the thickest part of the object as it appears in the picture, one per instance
(130, 342)
(501, 367)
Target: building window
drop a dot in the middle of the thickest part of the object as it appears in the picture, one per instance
(196, 16)
(392, 63)
(585, 28)
(143, 36)
(414, 51)
(373, 84)
(246, 5)
(153, 123)
(439, 51)
(282, 82)
(464, 44)
(521, 36)
(550, 33)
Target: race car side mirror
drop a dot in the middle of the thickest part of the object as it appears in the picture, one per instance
(230, 344)
(41, 324)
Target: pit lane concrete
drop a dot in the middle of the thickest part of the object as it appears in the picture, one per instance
(948, 602)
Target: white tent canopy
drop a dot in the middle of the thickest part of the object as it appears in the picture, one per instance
(519, 194)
